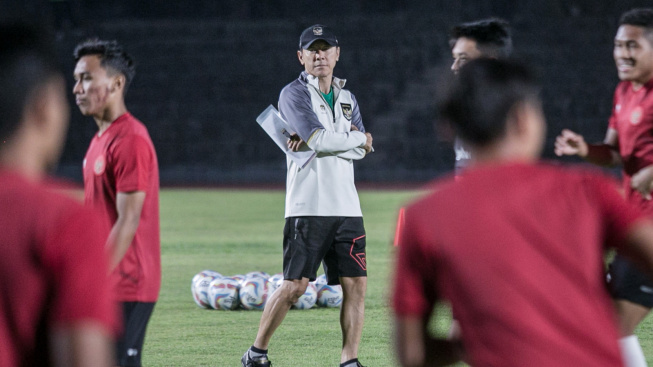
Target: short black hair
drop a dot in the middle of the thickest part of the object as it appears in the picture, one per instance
(112, 57)
(492, 36)
(639, 17)
(27, 62)
(477, 102)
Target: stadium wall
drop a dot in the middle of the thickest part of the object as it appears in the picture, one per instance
(206, 69)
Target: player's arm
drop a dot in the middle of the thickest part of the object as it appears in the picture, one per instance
(603, 154)
(642, 181)
(84, 344)
(129, 206)
(295, 107)
(416, 347)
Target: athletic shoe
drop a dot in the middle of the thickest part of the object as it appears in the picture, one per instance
(262, 361)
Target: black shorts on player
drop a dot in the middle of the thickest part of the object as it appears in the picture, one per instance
(627, 282)
(129, 346)
(337, 242)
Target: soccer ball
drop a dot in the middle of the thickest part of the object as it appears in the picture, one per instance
(320, 281)
(262, 274)
(239, 277)
(254, 293)
(275, 281)
(308, 299)
(223, 293)
(330, 296)
(199, 287)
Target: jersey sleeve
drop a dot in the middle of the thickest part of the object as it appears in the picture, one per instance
(618, 214)
(132, 164)
(77, 261)
(412, 293)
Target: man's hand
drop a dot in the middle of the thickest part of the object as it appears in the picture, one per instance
(642, 181)
(368, 143)
(295, 142)
(570, 143)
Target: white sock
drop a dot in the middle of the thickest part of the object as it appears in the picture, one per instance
(631, 352)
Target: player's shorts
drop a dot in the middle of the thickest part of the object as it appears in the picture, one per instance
(627, 282)
(337, 242)
(129, 345)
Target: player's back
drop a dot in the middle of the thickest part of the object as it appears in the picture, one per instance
(517, 250)
(37, 225)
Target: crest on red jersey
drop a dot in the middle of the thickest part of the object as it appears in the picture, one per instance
(636, 116)
(98, 166)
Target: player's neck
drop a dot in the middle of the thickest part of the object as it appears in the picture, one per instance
(109, 115)
(24, 158)
(325, 83)
(503, 152)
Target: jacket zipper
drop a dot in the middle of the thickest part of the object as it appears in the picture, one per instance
(333, 112)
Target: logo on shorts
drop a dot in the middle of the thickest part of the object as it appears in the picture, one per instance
(132, 352)
(317, 31)
(359, 257)
(636, 116)
(346, 110)
(98, 166)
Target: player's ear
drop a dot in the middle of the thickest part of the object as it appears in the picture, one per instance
(118, 83)
(337, 53)
(299, 56)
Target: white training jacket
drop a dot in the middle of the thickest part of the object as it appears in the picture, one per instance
(325, 187)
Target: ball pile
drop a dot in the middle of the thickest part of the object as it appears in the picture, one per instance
(212, 290)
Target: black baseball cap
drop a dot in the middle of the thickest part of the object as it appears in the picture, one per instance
(317, 32)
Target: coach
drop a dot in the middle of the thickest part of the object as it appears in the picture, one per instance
(323, 216)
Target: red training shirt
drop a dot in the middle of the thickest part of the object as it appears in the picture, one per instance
(517, 250)
(52, 269)
(632, 118)
(123, 159)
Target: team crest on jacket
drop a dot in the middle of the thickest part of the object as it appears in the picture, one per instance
(346, 110)
(636, 116)
(98, 166)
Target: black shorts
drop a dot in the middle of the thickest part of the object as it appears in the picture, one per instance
(627, 282)
(129, 346)
(337, 242)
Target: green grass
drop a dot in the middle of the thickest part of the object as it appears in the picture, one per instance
(237, 231)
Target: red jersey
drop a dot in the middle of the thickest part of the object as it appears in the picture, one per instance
(632, 118)
(123, 159)
(52, 269)
(517, 250)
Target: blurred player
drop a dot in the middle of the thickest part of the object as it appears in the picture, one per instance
(483, 38)
(628, 141)
(323, 217)
(525, 272)
(121, 180)
(55, 310)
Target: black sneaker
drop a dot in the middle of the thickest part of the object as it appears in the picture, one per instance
(261, 361)
(358, 364)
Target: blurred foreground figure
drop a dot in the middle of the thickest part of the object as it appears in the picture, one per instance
(524, 273)
(55, 310)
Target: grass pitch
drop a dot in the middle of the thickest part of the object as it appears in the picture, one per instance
(238, 231)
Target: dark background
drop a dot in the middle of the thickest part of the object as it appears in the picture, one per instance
(206, 69)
